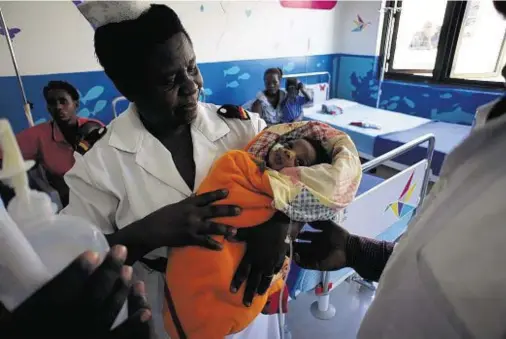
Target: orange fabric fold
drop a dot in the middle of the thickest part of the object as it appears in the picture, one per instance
(199, 279)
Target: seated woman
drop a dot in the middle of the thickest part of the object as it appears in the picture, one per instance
(308, 171)
(268, 102)
(52, 144)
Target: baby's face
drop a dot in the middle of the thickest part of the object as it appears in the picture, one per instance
(293, 153)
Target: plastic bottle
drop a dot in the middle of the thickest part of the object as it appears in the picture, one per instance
(56, 239)
(21, 269)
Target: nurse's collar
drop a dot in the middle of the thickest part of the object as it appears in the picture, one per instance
(127, 132)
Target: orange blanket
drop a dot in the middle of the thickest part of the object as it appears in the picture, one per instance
(199, 279)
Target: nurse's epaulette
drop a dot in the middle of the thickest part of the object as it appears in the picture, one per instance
(87, 141)
(233, 112)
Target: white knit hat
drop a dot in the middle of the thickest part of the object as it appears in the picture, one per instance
(100, 13)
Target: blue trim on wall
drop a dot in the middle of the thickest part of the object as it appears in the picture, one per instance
(231, 82)
(354, 77)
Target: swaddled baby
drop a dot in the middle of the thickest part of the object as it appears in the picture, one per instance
(305, 170)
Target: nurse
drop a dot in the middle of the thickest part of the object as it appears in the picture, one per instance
(137, 182)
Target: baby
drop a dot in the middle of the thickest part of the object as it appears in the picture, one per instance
(305, 170)
(293, 103)
(297, 152)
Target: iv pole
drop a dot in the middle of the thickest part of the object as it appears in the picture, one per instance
(26, 105)
(390, 11)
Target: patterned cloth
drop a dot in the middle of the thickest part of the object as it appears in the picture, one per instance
(272, 115)
(292, 108)
(317, 192)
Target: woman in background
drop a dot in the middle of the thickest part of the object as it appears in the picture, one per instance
(268, 102)
(52, 144)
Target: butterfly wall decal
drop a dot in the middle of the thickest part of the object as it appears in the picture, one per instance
(11, 31)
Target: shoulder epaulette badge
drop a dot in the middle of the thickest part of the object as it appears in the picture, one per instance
(233, 112)
(87, 142)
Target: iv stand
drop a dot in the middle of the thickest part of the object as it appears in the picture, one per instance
(26, 105)
(390, 11)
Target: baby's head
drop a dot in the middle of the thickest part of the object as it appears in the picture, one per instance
(297, 152)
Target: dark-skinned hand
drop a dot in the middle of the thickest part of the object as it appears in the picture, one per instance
(265, 253)
(324, 250)
(188, 222)
(82, 302)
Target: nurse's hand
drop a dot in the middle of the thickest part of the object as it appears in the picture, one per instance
(188, 222)
(265, 253)
(82, 302)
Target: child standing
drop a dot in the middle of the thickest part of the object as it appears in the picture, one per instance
(293, 103)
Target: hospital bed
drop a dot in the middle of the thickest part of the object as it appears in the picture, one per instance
(389, 205)
(395, 130)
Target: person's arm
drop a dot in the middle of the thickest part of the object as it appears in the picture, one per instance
(257, 107)
(133, 237)
(334, 248)
(368, 257)
(305, 93)
(186, 223)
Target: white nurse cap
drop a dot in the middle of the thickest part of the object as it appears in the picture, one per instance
(100, 13)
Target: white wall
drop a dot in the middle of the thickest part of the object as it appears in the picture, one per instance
(55, 38)
(367, 41)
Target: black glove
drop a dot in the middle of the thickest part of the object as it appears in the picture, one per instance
(265, 253)
(82, 302)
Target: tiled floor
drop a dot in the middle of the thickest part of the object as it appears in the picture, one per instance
(351, 301)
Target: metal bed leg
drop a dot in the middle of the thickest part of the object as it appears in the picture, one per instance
(322, 308)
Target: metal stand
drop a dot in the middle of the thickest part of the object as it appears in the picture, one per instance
(390, 11)
(322, 308)
(26, 104)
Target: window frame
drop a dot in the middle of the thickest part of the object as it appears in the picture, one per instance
(447, 46)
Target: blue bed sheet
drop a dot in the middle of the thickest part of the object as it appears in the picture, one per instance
(304, 280)
(363, 138)
(448, 136)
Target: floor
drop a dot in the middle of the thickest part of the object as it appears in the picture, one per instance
(351, 301)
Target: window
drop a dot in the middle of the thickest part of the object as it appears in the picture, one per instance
(417, 36)
(445, 42)
(480, 49)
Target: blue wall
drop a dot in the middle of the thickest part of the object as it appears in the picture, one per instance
(232, 82)
(235, 82)
(358, 81)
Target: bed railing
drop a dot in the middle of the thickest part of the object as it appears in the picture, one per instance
(430, 138)
(321, 308)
